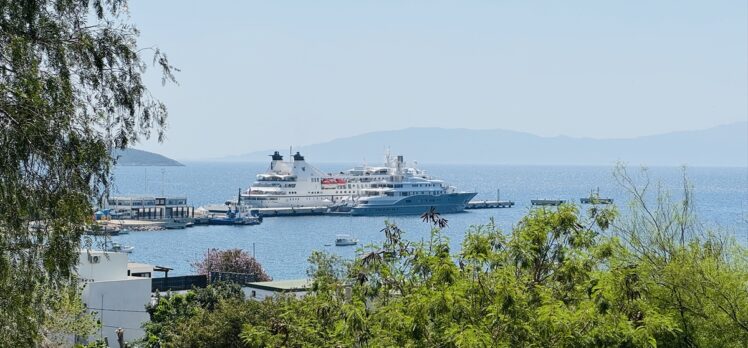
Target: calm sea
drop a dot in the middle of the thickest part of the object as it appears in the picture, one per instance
(283, 244)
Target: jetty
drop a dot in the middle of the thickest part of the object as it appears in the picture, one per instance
(270, 212)
(547, 202)
(489, 204)
(292, 211)
(596, 200)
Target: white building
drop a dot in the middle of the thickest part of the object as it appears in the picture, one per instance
(118, 298)
(150, 207)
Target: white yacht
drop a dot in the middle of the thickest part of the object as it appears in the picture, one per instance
(410, 192)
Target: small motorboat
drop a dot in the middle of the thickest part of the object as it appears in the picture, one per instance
(345, 240)
(118, 248)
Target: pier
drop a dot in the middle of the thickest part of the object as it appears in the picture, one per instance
(270, 212)
(294, 211)
(547, 202)
(489, 204)
(596, 200)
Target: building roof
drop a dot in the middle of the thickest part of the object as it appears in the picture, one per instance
(137, 267)
(292, 285)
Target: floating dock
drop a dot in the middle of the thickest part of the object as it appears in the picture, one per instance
(489, 204)
(595, 200)
(270, 212)
(547, 202)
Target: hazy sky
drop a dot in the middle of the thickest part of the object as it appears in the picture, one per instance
(269, 74)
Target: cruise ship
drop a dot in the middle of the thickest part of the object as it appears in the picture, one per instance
(297, 183)
(367, 190)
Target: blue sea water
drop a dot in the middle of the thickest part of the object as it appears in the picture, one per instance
(283, 244)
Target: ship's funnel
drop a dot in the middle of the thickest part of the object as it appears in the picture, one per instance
(298, 157)
(277, 156)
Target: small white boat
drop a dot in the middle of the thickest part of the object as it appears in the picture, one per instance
(175, 224)
(345, 240)
(118, 248)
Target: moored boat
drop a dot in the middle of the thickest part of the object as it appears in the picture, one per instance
(175, 224)
(409, 192)
(345, 240)
(118, 248)
(235, 216)
(299, 184)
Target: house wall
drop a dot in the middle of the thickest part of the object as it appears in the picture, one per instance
(119, 303)
(117, 299)
(110, 266)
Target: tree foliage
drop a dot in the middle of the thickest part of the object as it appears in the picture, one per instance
(67, 316)
(230, 260)
(207, 317)
(71, 90)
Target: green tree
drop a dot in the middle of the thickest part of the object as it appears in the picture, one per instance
(186, 320)
(67, 316)
(71, 90)
(694, 275)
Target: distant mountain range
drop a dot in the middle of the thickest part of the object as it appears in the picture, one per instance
(718, 146)
(133, 157)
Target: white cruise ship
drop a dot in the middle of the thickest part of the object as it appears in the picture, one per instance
(297, 183)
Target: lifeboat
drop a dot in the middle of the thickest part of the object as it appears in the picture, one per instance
(329, 183)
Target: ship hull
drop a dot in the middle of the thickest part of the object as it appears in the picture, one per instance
(416, 205)
(290, 201)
